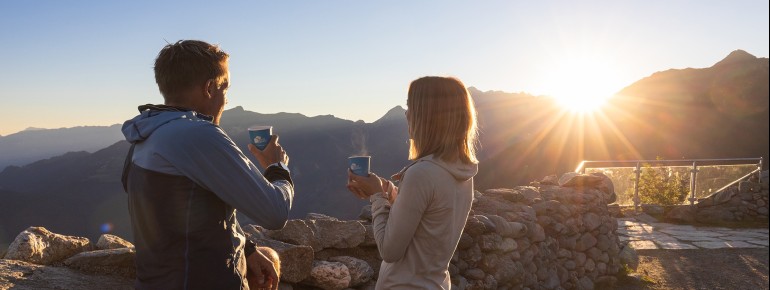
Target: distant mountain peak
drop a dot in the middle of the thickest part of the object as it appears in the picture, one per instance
(736, 56)
(396, 113)
(34, 129)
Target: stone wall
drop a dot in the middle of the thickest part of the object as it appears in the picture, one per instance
(746, 201)
(543, 236)
(553, 234)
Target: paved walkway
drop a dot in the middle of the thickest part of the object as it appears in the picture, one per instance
(645, 233)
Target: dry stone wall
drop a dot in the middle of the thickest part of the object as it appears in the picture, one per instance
(554, 234)
(744, 201)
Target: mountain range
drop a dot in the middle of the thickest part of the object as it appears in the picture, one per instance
(715, 112)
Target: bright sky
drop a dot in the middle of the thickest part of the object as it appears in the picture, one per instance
(74, 63)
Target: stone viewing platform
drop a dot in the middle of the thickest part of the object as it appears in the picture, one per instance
(646, 233)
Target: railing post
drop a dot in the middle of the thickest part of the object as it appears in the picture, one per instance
(638, 172)
(759, 172)
(693, 181)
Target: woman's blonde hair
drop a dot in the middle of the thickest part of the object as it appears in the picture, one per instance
(442, 120)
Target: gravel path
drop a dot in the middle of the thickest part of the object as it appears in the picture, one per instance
(701, 269)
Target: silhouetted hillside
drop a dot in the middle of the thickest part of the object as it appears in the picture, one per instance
(34, 143)
(716, 112)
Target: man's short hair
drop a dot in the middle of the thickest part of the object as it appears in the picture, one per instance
(186, 63)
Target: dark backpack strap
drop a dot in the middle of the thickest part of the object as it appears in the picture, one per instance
(127, 167)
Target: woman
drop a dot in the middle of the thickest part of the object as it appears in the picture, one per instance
(417, 226)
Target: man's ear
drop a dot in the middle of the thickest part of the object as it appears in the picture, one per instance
(209, 87)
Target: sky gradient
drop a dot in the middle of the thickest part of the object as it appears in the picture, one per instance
(75, 63)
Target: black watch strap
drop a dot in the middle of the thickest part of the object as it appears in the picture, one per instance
(273, 173)
(250, 248)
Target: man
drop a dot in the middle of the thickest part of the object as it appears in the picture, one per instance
(185, 177)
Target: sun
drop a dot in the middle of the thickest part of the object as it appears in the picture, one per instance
(581, 85)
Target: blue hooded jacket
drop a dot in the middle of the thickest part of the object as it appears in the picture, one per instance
(184, 179)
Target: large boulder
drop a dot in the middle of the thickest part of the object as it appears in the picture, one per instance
(296, 260)
(40, 246)
(22, 275)
(107, 241)
(111, 261)
(338, 234)
(296, 232)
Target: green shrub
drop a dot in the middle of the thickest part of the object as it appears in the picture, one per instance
(663, 186)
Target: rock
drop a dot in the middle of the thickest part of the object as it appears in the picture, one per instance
(478, 225)
(653, 209)
(586, 241)
(296, 260)
(296, 232)
(614, 210)
(762, 210)
(319, 216)
(590, 265)
(110, 261)
(508, 229)
(603, 243)
(748, 186)
(605, 282)
(465, 242)
(40, 246)
(23, 275)
(606, 186)
(360, 271)
(682, 213)
(580, 259)
(585, 283)
(474, 274)
(591, 221)
(507, 245)
(369, 236)
(629, 257)
(572, 179)
(107, 241)
(595, 254)
(338, 234)
(255, 231)
(567, 177)
(715, 214)
(724, 196)
(536, 232)
(366, 213)
(550, 180)
(328, 276)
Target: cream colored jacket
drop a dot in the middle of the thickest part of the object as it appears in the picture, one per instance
(418, 234)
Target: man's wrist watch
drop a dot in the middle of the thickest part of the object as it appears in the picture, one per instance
(279, 165)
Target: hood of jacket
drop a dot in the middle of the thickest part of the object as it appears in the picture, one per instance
(142, 126)
(461, 171)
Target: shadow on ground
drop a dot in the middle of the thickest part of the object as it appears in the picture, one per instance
(701, 269)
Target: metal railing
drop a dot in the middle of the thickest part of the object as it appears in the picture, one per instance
(694, 163)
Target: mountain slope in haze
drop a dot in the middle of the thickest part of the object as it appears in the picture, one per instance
(35, 144)
(80, 192)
